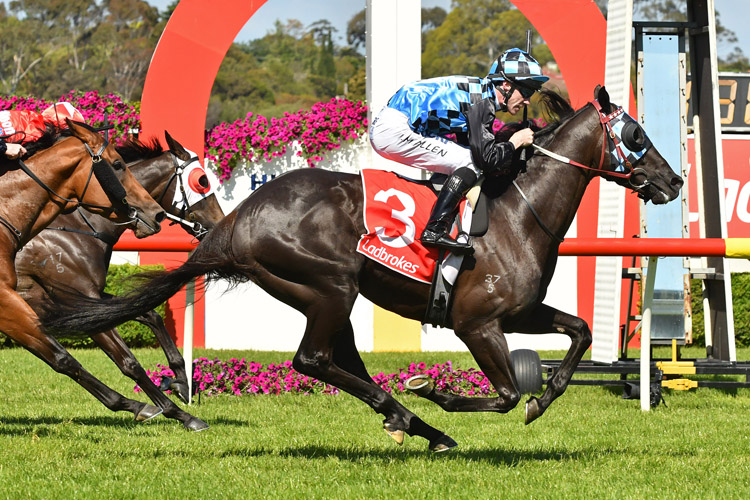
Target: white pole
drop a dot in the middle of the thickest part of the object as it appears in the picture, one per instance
(648, 299)
(187, 337)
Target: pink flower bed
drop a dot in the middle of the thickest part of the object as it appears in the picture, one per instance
(318, 130)
(96, 109)
(239, 377)
(254, 138)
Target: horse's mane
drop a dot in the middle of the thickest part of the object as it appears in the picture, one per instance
(134, 150)
(557, 110)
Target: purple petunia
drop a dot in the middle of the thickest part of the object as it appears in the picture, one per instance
(238, 377)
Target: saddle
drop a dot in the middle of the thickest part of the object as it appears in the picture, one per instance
(438, 303)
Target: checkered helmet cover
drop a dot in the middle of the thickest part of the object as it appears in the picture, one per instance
(518, 66)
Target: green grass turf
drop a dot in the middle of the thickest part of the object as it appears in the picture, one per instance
(56, 441)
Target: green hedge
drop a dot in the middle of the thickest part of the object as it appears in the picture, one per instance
(134, 333)
(741, 303)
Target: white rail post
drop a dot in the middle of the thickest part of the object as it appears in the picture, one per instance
(187, 337)
(648, 298)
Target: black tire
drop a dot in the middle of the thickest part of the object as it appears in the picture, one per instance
(528, 368)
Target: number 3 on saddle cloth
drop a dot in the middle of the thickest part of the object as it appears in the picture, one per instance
(396, 210)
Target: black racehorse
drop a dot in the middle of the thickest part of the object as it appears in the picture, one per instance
(296, 238)
(74, 254)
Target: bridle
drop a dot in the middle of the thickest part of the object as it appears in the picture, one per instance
(104, 173)
(187, 216)
(616, 149)
(611, 136)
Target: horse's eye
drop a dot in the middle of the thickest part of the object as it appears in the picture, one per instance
(118, 165)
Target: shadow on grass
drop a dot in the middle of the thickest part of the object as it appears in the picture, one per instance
(10, 426)
(19, 425)
(495, 457)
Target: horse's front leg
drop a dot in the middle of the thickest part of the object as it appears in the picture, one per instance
(546, 319)
(19, 322)
(175, 360)
(112, 344)
(490, 350)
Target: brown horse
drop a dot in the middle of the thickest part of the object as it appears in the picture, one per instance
(80, 170)
(296, 238)
(75, 252)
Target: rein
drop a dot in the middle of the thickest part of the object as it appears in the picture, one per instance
(96, 162)
(536, 216)
(99, 235)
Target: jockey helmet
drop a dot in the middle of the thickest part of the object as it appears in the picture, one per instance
(518, 67)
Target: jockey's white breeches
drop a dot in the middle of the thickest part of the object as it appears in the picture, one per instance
(392, 138)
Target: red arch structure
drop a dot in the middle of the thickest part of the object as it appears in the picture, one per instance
(184, 67)
(199, 33)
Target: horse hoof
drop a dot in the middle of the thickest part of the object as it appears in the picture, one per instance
(195, 424)
(421, 385)
(180, 389)
(443, 443)
(147, 413)
(396, 434)
(533, 410)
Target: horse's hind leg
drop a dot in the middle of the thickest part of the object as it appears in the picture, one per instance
(398, 419)
(111, 343)
(327, 352)
(546, 319)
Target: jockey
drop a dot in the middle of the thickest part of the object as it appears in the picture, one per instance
(11, 150)
(411, 129)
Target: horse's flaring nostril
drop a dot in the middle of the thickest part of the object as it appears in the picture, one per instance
(677, 181)
(160, 216)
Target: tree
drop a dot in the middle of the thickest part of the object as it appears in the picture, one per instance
(21, 50)
(674, 10)
(472, 36)
(127, 42)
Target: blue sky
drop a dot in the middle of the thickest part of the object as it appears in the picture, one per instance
(732, 13)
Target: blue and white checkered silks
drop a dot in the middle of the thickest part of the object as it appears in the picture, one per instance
(625, 153)
(437, 106)
(518, 65)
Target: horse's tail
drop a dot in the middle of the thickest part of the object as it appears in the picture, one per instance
(75, 314)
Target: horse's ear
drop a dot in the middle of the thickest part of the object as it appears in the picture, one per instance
(603, 97)
(596, 91)
(75, 128)
(176, 148)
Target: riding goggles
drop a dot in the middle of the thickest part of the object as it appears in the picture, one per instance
(525, 92)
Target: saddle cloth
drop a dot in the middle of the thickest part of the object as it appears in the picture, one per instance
(396, 211)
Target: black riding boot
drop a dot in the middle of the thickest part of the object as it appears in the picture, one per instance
(441, 218)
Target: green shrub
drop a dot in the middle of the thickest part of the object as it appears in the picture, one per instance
(133, 333)
(741, 308)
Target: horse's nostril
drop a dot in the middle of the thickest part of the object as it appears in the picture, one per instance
(677, 181)
(160, 216)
